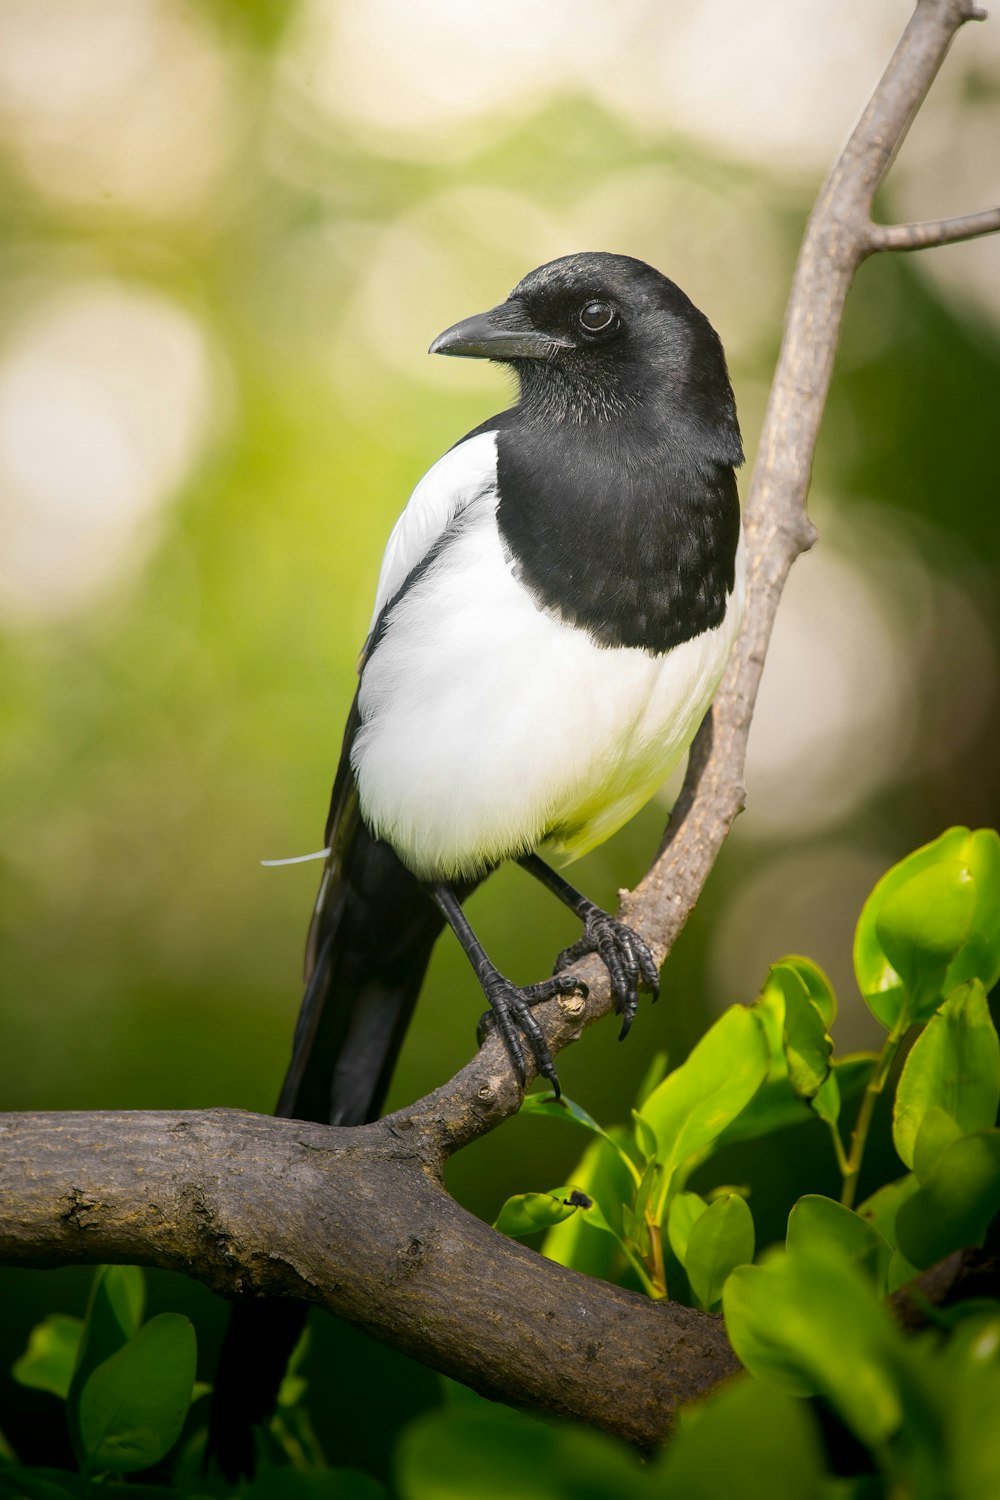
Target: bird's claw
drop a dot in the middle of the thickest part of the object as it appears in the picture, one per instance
(630, 965)
(510, 1014)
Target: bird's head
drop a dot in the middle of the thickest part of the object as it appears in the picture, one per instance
(595, 336)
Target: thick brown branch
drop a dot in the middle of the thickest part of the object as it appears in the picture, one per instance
(933, 232)
(357, 1220)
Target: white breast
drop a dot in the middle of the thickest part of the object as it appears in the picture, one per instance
(490, 728)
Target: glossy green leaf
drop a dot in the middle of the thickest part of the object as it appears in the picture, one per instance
(502, 1455)
(813, 1323)
(654, 1075)
(881, 1208)
(816, 984)
(973, 1360)
(922, 926)
(133, 1406)
(50, 1358)
(953, 1066)
(719, 1240)
(560, 1108)
(953, 1208)
(567, 1109)
(695, 1103)
(527, 1213)
(645, 1137)
(775, 1106)
(114, 1313)
(879, 981)
(748, 1442)
(937, 1132)
(684, 1210)
(826, 1102)
(980, 955)
(819, 1224)
(602, 1175)
(806, 1046)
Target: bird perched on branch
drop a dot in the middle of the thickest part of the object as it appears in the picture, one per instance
(554, 611)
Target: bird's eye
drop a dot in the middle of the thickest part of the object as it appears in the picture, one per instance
(598, 317)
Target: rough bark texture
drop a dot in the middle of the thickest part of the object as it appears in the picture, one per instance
(357, 1220)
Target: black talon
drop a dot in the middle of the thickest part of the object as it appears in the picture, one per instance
(626, 957)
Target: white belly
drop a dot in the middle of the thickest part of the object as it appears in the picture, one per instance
(490, 728)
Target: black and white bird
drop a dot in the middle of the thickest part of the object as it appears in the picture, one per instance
(553, 614)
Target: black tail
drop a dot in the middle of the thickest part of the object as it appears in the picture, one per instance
(369, 947)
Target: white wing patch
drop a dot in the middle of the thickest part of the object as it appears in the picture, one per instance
(465, 473)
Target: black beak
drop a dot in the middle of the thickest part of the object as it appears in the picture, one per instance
(495, 335)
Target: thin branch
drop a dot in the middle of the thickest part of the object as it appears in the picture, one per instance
(931, 232)
(357, 1219)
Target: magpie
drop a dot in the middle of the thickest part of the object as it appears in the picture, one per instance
(553, 614)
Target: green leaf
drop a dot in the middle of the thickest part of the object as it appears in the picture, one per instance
(814, 1324)
(527, 1213)
(748, 1441)
(881, 1208)
(720, 1239)
(645, 1137)
(817, 1224)
(954, 1207)
(980, 956)
(567, 1109)
(48, 1362)
(114, 1312)
(684, 1210)
(695, 1103)
(937, 1132)
(806, 1046)
(922, 927)
(133, 1406)
(816, 984)
(602, 1175)
(825, 1103)
(500, 1454)
(953, 1066)
(880, 982)
(654, 1074)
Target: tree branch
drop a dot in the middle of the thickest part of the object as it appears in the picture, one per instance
(357, 1220)
(934, 231)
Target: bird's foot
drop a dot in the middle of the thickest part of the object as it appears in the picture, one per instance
(510, 1013)
(630, 965)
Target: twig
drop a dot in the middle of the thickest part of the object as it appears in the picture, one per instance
(934, 231)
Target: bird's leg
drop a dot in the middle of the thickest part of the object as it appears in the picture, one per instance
(625, 955)
(510, 1005)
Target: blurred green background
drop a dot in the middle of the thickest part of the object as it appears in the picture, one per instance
(229, 232)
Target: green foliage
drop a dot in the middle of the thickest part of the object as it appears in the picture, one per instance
(811, 1319)
(50, 1358)
(133, 1405)
(648, 1203)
